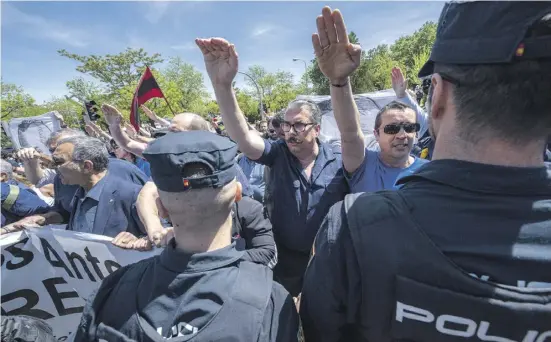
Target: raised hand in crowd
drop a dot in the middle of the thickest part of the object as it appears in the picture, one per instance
(127, 240)
(399, 82)
(112, 115)
(221, 62)
(150, 114)
(91, 131)
(114, 120)
(337, 57)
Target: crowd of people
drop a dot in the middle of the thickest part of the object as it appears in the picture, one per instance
(439, 232)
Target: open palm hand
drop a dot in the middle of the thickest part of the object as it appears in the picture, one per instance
(337, 57)
(220, 59)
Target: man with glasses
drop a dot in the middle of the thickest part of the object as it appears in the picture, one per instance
(305, 178)
(395, 131)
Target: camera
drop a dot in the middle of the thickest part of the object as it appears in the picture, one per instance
(92, 110)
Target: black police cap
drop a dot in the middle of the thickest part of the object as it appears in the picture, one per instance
(488, 32)
(169, 155)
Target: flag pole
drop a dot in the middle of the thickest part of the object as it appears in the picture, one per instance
(169, 107)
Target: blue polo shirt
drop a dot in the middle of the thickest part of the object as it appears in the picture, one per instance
(87, 205)
(144, 166)
(373, 175)
(299, 204)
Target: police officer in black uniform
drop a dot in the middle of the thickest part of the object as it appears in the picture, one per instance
(462, 252)
(199, 288)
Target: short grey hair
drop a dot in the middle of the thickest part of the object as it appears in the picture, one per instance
(64, 133)
(88, 148)
(7, 168)
(312, 107)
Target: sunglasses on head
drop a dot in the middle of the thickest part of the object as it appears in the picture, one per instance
(394, 128)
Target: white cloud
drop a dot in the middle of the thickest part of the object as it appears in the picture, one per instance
(262, 30)
(40, 27)
(156, 10)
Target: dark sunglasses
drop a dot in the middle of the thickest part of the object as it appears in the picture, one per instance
(272, 131)
(394, 128)
(275, 123)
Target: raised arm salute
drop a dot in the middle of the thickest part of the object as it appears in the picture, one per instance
(221, 61)
(337, 59)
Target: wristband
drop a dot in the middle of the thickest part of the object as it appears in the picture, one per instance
(340, 85)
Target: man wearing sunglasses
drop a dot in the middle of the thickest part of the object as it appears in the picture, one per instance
(462, 251)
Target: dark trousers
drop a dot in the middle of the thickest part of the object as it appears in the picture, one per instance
(290, 269)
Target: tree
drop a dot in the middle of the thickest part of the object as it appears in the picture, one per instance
(84, 90)
(212, 107)
(16, 102)
(277, 88)
(248, 105)
(321, 83)
(115, 71)
(417, 45)
(189, 83)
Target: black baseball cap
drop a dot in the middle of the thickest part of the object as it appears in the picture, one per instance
(169, 155)
(488, 32)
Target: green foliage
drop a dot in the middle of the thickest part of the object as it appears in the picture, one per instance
(278, 89)
(115, 71)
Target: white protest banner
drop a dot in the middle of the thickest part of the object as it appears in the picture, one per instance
(50, 272)
(32, 131)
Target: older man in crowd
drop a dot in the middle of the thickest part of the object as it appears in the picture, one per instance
(103, 203)
(64, 193)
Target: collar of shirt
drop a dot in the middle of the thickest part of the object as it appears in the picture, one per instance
(93, 193)
(182, 262)
(325, 155)
(485, 178)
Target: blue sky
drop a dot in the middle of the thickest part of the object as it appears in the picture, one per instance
(270, 34)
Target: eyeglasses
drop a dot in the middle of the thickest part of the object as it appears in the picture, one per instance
(394, 128)
(298, 126)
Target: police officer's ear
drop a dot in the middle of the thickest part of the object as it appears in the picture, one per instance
(438, 95)
(238, 192)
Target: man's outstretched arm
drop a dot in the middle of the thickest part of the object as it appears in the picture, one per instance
(221, 61)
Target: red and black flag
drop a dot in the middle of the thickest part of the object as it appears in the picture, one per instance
(146, 90)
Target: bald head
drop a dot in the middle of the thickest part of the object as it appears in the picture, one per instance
(189, 122)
